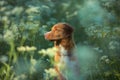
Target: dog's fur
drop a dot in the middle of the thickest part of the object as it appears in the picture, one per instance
(61, 34)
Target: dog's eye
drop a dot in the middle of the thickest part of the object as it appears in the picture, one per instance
(57, 35)
(54, 29)
(59, 30)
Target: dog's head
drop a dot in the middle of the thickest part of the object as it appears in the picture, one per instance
(59, 31)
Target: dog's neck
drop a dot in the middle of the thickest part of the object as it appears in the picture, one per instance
(67, 43)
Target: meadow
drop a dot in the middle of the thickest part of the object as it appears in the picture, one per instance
(26, 55)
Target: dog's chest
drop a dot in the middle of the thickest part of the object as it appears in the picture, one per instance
(63, 52)
(65, 59)
(64, 55)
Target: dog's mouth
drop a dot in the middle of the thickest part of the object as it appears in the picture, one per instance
(52, 40)
(49, 38)
(55, 40)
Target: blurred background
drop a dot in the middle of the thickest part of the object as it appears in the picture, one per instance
(24, 53)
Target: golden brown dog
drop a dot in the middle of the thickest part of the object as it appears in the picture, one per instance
(61, 34)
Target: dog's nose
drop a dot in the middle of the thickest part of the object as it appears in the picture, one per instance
(46, 35)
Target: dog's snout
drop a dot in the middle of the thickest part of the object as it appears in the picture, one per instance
(46, 35)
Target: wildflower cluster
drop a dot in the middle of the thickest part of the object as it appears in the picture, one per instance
(105, 59)
(24, 22)
(50, 51)
(51, 72)
(26, 48)
(8, 36)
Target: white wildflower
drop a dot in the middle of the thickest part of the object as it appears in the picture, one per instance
(103, 57)
(26, 48)
(17, 10)
(50, 51)
(107, 61)
(5, 18)
(2, 2)
(8, 36)
(14, 29)
(21, 48)
(52, 72)
(3, 58)
(3, 9)
(43, 51)
(33, 48)
(32, 9)
(113, 45)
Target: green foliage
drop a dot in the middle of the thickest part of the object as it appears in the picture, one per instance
(23, 53)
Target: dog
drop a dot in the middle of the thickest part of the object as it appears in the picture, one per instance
(61, 35)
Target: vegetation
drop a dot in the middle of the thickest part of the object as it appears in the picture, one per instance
(26, 55)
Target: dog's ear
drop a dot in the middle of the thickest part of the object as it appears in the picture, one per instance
(68, 29)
